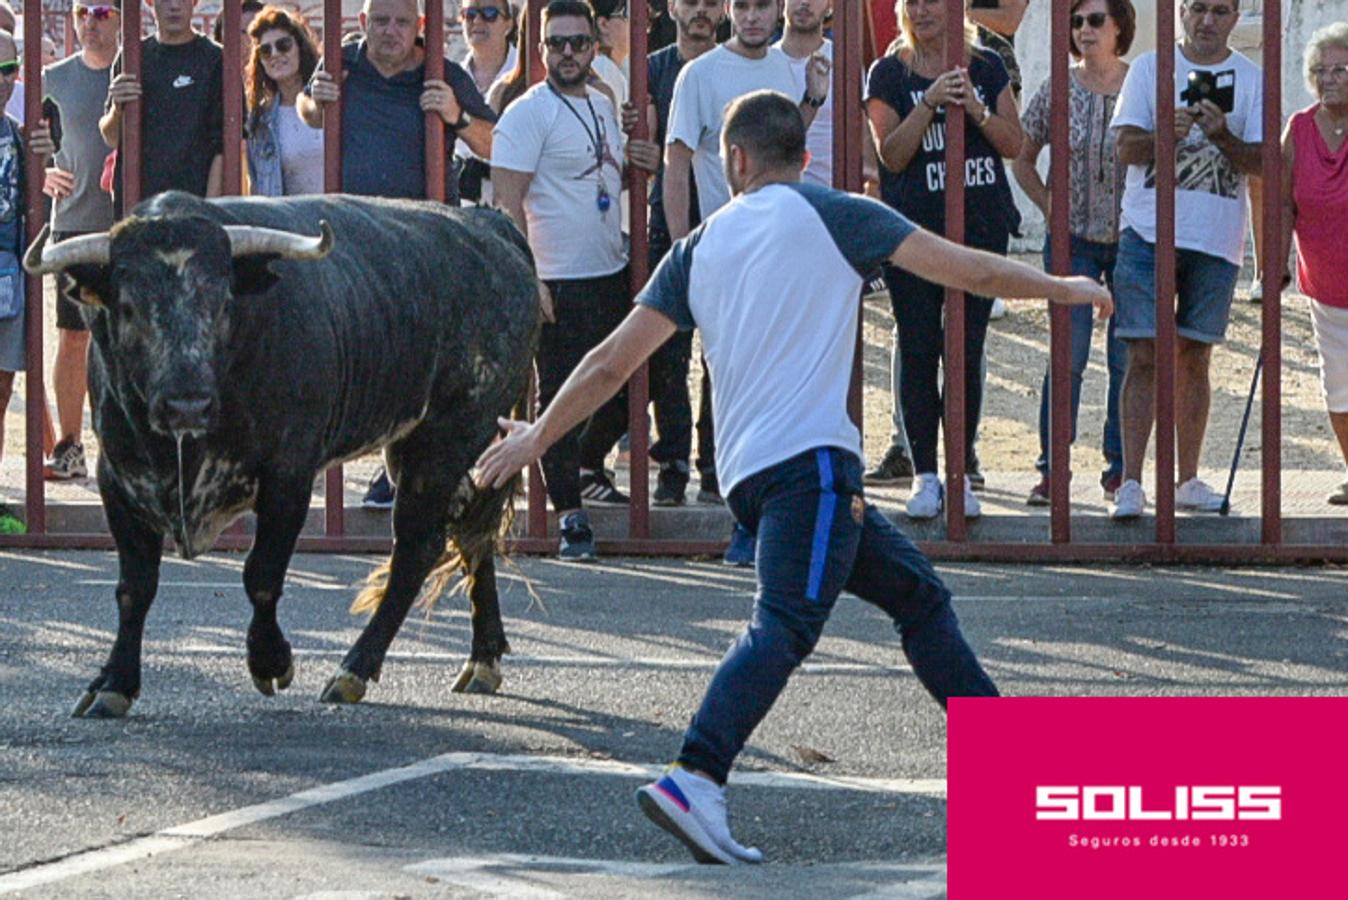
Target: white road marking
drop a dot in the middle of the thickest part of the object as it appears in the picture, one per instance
(190, 833)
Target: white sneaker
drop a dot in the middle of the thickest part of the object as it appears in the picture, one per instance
(972, 507)
(692, 808)
(925, 499)
(998, 309)
(1129, 501)
(1256, 289)
(1198, 495)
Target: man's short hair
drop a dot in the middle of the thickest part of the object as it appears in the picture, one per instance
(607, 9)
(560, 8)
(420, 5)
(767, 124)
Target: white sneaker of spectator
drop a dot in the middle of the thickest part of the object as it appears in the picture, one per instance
(1129, 501)
(972, 508)
(1197, 495)
(925, 499)
(999, 309)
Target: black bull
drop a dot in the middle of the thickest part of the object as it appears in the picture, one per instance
(234, 357)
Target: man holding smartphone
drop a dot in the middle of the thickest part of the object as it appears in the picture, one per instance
(1216, 150)
(79, 86)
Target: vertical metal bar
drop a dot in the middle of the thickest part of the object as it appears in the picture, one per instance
(530, 36)
(1060, 317)
(232, 156)
(638, 389)
(435, 126)
(847, 124)
(1165, 272)
(334, 486)
(129, 146)
(956, 527)
(68, 25)
(35, 394)
(1271, 464)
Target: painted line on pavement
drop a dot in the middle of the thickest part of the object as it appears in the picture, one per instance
(188, 834)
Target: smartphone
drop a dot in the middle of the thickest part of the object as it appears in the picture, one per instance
(1219, 87)
(52, 113)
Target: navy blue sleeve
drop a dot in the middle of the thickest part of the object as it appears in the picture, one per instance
(866, 231)
(667, 291)
(466, 92)
(885, 82)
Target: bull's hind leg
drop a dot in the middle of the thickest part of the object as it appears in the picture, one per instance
(281, 509)
(481, 674)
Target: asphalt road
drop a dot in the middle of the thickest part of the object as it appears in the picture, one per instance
(209, 789)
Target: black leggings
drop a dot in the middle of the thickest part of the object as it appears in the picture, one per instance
(587, 310)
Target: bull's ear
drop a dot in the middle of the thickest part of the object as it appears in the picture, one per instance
(253, 274)
(89, 284)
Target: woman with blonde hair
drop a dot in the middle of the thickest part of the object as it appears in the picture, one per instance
(285, 156)
(1315, 211)
(909, 94)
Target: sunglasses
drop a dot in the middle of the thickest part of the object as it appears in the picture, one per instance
(9, 68)
(97, 13)
(1095, 20)
(579, 43)
(282, 46)
(487, 14)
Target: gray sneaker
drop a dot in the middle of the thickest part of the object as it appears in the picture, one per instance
(67, 462)
(577, 542)
(896, 468)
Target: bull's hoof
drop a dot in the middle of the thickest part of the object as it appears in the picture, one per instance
(269, 686)
(102, 705)
(478, 677)
(343, 687)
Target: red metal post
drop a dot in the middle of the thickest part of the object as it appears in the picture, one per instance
(68, 32)
(638, 389)
(848, 125)
(435, 126)
(1165, 272)
(1271, 489)
(35, 394)
(1060, 330)
(956, 527)
(334, 490)
(128, 148)
(530, 36)
(231, 156)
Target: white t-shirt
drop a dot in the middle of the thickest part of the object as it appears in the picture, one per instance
(612, 75)
(705, 87)
(1210, 213)
(15, 105)
(819, 139)
(301, 153)
(568, 233)
(772, 281)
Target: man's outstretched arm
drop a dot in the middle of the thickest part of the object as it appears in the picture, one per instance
(600, 375)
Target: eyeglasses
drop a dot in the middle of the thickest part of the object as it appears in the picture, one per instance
(487, 14)
(11, 67)
(1095, 20)
(579, 43)
(282, 46)
(1330, 73)
(1199, 10)
(97, 13)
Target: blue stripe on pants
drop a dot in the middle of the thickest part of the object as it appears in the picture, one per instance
(823, 523)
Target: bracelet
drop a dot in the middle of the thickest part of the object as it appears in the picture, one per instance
(928, 104)
(814, 102)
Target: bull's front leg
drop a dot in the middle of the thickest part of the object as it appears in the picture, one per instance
(139, 549)
(281, 507)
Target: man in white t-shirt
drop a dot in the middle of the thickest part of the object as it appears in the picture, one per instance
(557, 170)
(802, 39)
(747, 62)
(771, 280)
(1218, 129)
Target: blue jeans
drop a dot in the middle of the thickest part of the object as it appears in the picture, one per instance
(816, 537)
(1093, 260)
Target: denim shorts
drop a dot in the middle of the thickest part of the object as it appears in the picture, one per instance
(1205, 284)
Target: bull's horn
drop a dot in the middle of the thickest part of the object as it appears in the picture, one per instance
(88, 249)
(252, 240)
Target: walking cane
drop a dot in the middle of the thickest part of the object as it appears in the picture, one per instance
(1240, 439)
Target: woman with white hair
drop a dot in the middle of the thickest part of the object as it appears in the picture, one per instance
(1315, 211)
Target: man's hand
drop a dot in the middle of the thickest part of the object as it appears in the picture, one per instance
(58, 183)
(39, 140)
(630, 118)
(1185, 116)
(645, 155)
(439, 98)
(1081, 291)
(124, 89)
(509, 455)
(818, 76)
(324, 89)
(1210, 118)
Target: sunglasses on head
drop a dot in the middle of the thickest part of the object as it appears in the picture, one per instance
(282, 46)
(579, 43)
(9, 67)
(487, 14)
(1095, 20)
(97, 13)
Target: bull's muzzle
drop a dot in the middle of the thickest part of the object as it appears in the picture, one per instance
(184, 415)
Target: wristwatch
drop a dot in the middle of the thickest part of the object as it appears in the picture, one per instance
(463, 121)
(815, 102)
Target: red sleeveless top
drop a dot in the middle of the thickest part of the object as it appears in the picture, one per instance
(1320, 190)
